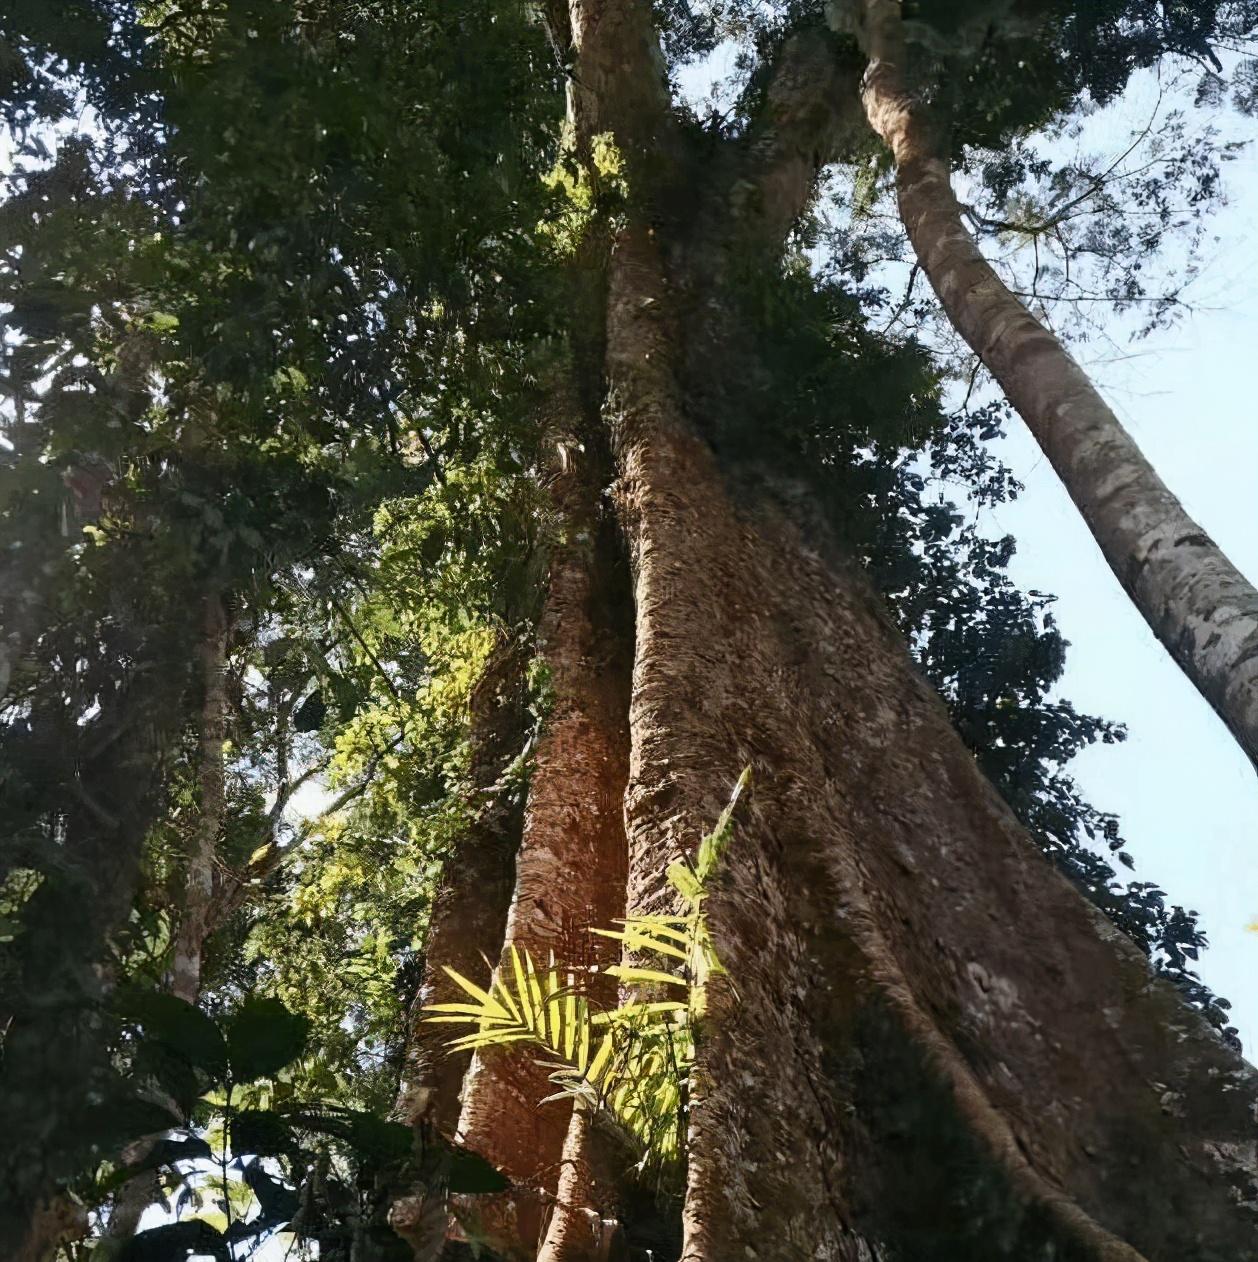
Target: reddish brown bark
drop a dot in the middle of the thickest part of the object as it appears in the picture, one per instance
(570, 871)
(465, 927)
(578, 1229)
(927, 1015)
(932, 1046)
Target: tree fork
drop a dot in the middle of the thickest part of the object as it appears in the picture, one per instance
(1197, 603)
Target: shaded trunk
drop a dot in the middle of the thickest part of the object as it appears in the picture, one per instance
(937, 1045)
(199, 879)
(1204, 611)
(469, 911)
(570, 870)
(55, 1054)
(137, 1194)
(465, 927)
(578, 1230)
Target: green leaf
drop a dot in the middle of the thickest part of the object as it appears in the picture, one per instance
(262, 1037)
(278, 1203)
(260, 1133)
(179, 1026)
(175, 1241)
(379, 1138)
(114, 1123)
(683, 879)
(471, 1174)
(644, 976)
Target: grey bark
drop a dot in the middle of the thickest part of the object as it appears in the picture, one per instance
(1197, 603)
(137, 1194)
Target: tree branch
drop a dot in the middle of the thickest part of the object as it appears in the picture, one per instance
(810, 116)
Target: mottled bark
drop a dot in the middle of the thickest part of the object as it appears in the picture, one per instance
(937, 1044)
(1204, 611)
(53, 1224)
(933, 1046)
(199, 876)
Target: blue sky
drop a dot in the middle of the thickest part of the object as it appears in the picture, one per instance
(1187, 796)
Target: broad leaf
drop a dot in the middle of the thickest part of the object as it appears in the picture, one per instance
(262, 1037)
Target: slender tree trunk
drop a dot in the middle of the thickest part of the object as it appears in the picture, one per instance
(578, 1230)
(138, 1193)
(570, 871)
(1204, 611)
(199, 881)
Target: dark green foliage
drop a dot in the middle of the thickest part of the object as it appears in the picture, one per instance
(292, 1157)
(262, 1037)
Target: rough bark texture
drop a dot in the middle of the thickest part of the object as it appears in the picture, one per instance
(53, 1224)
(937, 1043)
(1204, 611)
(578, 1230)
(570, 871)
(933, 1046)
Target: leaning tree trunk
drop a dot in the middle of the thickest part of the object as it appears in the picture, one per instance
(1204, 611)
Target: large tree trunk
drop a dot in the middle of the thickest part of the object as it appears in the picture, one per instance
(937, 1044)
(1204, 611)
(931, 1045)
(570, 870)
(465, 927)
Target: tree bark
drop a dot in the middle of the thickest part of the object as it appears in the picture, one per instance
(466, 926)
(199, 880)
(469, 911)
(138, 1193)
(937, 1045)
(570, 870)
(1202, 609)
(577, 1230)
(931, 1045)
